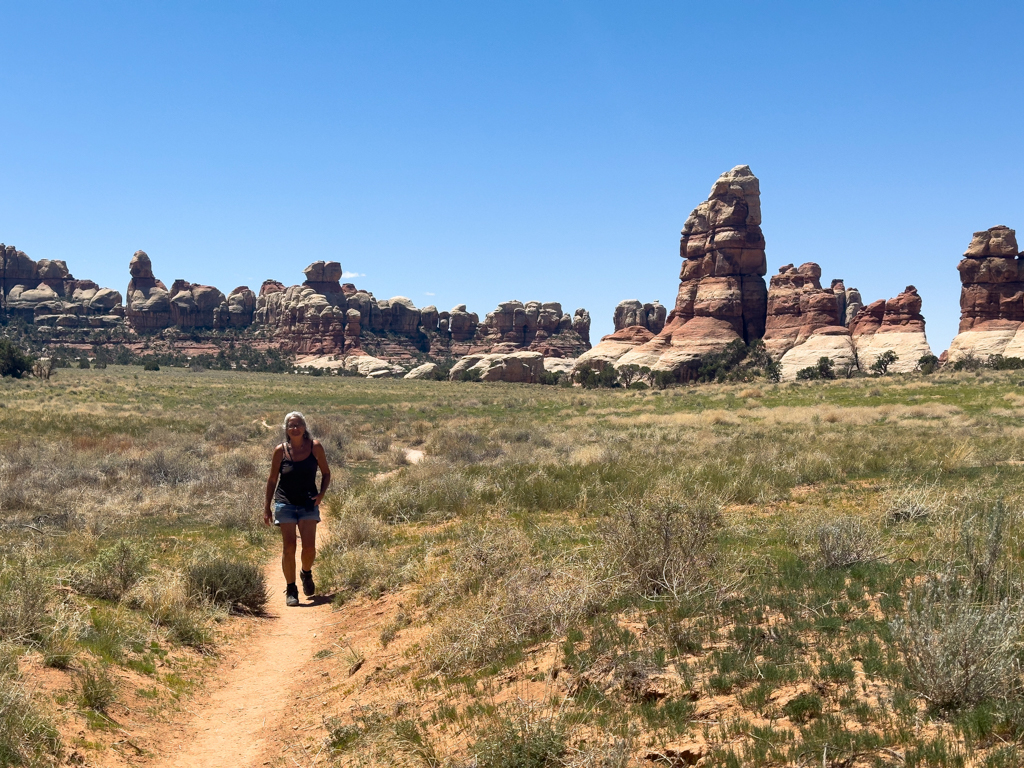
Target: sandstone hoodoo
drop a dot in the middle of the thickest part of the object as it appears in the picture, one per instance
(895, 325)
(722, 294)
(805, 322)
(991, 297)
(798, 306)
(631, 313)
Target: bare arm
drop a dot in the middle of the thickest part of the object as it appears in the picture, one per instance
(275, 470)
(325, 471)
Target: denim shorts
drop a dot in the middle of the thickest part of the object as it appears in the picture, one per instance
(291, 513)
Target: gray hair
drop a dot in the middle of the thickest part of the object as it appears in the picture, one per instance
(300, 417)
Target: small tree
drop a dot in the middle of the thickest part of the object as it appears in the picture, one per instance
(664, 379)
(810, 373)
(927, 364)
(628, 374)
(83, 363)
(608, 377)
(826, 369)
(969, 362)
(586, 378)
(773, 371)
(881, 365)
(13, 360)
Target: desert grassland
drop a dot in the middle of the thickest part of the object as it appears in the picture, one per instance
(822, 573)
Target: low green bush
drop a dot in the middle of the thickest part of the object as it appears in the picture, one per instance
(96, 689)
(114, 571)
(27, 737)
(520, 743)
(224, 581)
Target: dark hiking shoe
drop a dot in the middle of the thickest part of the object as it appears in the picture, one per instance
(291, 595)
(308, 587)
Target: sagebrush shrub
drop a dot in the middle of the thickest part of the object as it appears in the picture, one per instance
(96, 688)
(499, 593)
(228, 582)
(845, 541)
(664, 544)
(521, 743)
(164, 598)
(912, 503)
(114, 571)
(24, 598)
(959, 649)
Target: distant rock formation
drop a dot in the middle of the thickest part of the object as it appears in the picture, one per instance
(520, 367)
(991, 297)
(722, 294)
(148, 302)
(895, 325)
(424, 371)
(47, 294)
(324, 317)
(373, 367)
(805, 322)
(798, 306)
(632, 313)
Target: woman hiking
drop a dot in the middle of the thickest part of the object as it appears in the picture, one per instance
(292, 488)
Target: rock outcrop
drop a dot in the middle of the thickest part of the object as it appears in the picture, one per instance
(805, 322)
(148, 302)
(152, 307)
(372, 367)
(16, 268)
(895, 325)
(991, 297)
(47, 294)
(614, 346)
(722, 294)
(831, 341)
(798, 306)
(518, 367)
(425, 371)
(631, 313)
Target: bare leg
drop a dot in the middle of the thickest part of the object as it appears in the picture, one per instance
(307, 530)
(288, 556)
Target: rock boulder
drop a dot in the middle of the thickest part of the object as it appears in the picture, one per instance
(518, 367)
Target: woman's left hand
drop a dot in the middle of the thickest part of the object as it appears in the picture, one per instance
(316, 499)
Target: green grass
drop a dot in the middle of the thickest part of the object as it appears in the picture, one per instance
(512, 525)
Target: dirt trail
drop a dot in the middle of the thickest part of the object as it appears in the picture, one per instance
(250, 699)
(242, 713)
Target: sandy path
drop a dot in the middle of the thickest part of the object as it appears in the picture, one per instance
(242, 714)
(249, 705)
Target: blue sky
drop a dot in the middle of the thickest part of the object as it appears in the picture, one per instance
(479, 152)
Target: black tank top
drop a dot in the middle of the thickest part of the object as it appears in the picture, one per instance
(296, 484)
